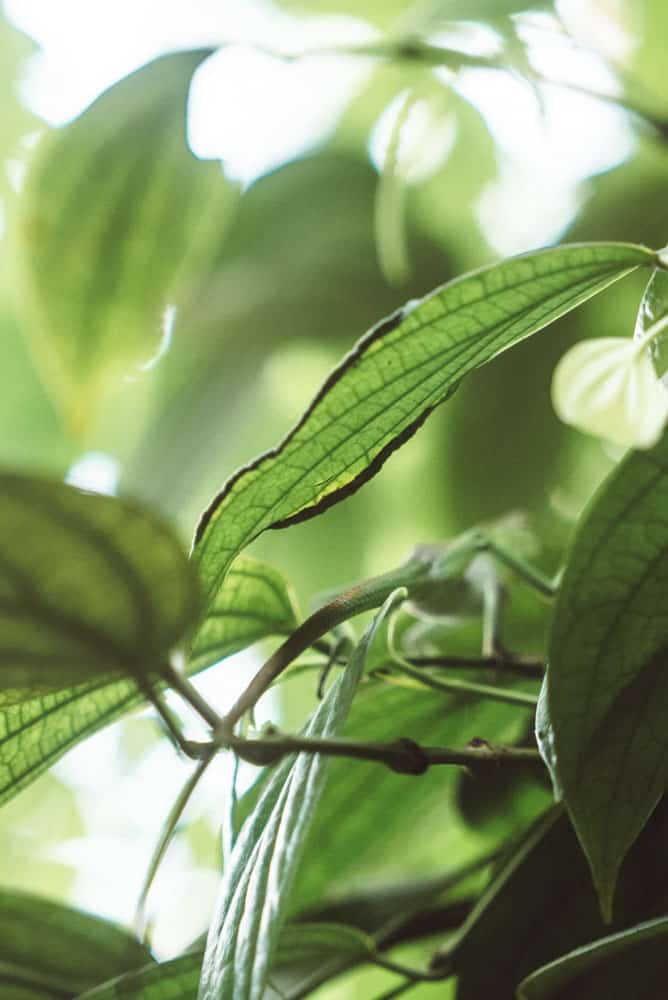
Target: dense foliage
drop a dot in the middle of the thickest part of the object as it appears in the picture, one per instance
(462, 788)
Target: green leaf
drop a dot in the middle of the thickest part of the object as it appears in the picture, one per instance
(116, 215)
(90, 586)
(255, 602)
(389, 383)
(58, 951)
(630, 965)
(254, 896)
(540, 905)
(607, 688)
(175, 980)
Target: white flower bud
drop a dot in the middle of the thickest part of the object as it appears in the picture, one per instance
(608, 387)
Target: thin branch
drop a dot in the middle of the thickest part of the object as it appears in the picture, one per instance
(166, 836)
(402, 755)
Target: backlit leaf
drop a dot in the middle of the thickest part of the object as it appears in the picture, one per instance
(389, 383)
(255, 602)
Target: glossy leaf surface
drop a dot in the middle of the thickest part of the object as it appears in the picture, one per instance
(389, 383)
(254, 896)
(607, 688)
(627, 966)
(90, 586)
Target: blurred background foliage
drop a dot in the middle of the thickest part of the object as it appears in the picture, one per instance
(182, 263)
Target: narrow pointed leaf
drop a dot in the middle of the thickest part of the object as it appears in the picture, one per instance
(115, 214)
(255, 602)
(58, 949)
(389, 383)
(90, 586)
(254, 895)
(607, 685)
(631, 965)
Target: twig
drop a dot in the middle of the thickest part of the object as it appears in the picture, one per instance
(402, 755)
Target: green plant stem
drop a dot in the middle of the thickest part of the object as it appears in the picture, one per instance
(529, 667)
(453, 685)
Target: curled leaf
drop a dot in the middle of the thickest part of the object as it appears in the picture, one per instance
(608, 387)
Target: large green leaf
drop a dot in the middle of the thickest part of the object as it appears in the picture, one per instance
(116, 215)
(254, 896)
(255, 602)
(607, 689)
(90, 586)
(631, 965)
(390, 382)
(540, 905)
(57, 951)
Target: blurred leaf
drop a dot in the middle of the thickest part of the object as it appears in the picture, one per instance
(15, 120)
(362, 413)
(254, 896)
(254, 603)
(37, 731)
(653, 307)
(60, 951)
(116, 214)
(607, 698)
(89, 585)
(175, 980)
(626, 966)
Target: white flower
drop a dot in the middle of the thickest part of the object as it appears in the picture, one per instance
(608, 387)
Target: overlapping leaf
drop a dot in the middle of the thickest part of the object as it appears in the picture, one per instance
(540, 905)
(254, 896)
(58, 951)
(116, 212)
(90, 586)
(387, 386)
(629, 966)
(607, 686)
(254, 603)
(34, 733)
